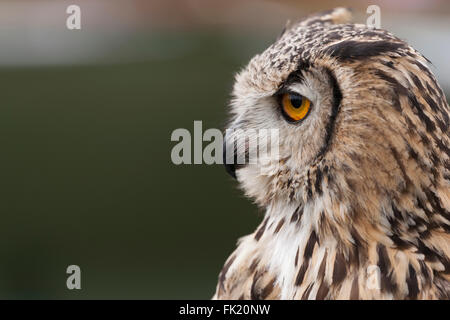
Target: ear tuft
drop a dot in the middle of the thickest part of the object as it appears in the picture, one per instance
(335, 16)
(341, 15)
(338, 15)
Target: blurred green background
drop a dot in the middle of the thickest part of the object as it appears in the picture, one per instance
(85, 124)
(87, 178)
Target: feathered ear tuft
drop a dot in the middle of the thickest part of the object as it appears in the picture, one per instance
(335, 16)
(341, 15)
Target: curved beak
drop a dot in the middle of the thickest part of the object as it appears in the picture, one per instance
(229, 164)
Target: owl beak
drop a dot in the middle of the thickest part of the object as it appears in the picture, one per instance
(231, 169)
(230, 166)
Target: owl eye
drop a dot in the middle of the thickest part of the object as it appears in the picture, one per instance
(294, 107)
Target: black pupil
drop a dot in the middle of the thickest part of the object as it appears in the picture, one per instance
(296, 100)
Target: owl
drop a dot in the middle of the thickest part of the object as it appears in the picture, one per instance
(357, 200)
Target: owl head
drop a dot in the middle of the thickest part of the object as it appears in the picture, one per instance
(360, 117)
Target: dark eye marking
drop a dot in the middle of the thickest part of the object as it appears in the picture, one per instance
(295, 76)
(329, 127)
(351, 49)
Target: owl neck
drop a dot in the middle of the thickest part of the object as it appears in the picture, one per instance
(348, 223)
(331, 221)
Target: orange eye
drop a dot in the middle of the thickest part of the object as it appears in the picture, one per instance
(294, 106)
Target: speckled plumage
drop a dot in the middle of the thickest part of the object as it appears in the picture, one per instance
(363, 181)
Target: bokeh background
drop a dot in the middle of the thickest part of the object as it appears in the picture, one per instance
(85, 122)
